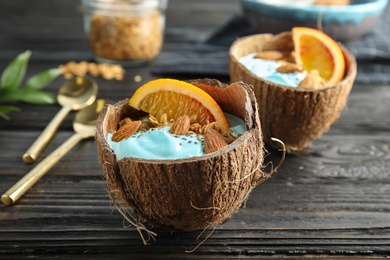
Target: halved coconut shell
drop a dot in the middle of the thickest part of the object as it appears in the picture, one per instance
(296, 116)
(194, 193)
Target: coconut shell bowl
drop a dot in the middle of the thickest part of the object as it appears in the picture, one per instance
(296, 116)
(187, 194)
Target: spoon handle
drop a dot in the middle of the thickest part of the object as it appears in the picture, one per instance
(16, 191)
(36, 148)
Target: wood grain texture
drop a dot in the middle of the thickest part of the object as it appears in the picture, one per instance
(330, 201)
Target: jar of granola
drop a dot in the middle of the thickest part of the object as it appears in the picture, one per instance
(125, 32)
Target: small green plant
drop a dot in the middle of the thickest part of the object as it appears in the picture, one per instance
(12, 90)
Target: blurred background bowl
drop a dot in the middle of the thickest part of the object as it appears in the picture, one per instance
(343, 23)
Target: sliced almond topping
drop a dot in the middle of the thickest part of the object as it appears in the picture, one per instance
(153, 120)
(269, 55)
(289, 68)
(213, 125)
(126, 131)
(164, 119)
(213, 141)
(195, 128)
(181, 126)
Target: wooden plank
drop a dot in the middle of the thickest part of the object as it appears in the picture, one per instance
(330, 201)
(304, 208)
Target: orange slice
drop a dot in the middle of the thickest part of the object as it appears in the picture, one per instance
(317, 51)
(177, 98)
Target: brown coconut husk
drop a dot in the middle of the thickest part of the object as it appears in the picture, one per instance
(194, 193)
(296, 116)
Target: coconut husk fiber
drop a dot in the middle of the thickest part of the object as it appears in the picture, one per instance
(194, 193)
(295, 116)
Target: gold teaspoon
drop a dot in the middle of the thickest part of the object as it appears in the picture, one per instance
(84, 126)
(75, 94)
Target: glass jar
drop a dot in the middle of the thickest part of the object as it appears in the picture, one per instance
(125, 32)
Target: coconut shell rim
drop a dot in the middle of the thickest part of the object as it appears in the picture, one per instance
(229, 147)
(350, 72)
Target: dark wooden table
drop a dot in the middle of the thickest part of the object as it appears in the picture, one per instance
(330, 201)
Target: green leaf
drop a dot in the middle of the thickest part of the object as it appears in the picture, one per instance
(10, 95)
(43, 78)
(37, 97)
(14, 73)
(31, 96)
(6, 109)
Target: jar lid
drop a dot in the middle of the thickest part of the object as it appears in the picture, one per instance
(125, 5)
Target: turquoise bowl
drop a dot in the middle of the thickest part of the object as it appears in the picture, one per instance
(342, 23)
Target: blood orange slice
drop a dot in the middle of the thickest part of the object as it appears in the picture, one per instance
(315, 50)
(177, 98)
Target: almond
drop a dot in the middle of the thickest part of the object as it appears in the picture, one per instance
(213, 141)
(312, 80)
(269, 55)
(289, 68)
(307, 82)
(124, 121)
(126, 130)
(181, 126)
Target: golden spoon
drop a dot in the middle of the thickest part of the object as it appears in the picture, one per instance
(75, 94)
(84, 126)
